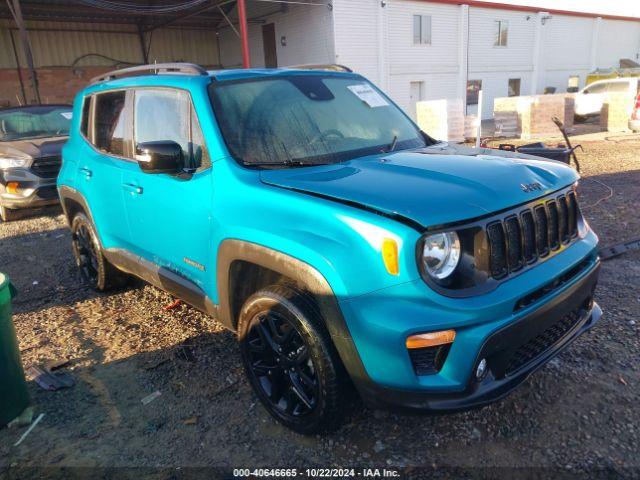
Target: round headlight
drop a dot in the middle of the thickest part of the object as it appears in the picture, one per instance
(440, 254)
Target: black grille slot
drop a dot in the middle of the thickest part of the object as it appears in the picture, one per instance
(528, 236)
(572, 208)
(542, 237)
(563, 219)
(514, 243)
(554, 240)
(521, 237)
(497, 250)
(551, 286)
(428, 360)
(47, 167)
(539, 344)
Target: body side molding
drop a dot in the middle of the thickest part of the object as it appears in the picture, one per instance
(162, 278)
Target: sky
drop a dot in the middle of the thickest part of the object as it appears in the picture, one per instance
(629, 8)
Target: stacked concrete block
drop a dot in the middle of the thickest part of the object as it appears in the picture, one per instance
(442, 119)
(470, 126)
(531, 116)
(616, 111)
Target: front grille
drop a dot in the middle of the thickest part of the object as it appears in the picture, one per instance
(542, 342)
(47, 167)
(521, 239)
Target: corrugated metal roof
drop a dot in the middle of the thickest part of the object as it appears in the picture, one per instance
(90, 44)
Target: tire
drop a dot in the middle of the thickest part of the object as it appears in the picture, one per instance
(95, 270)
(8, 214)
(303, 385)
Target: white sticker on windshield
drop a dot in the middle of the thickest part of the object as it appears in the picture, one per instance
(368, 95)
(67, 115)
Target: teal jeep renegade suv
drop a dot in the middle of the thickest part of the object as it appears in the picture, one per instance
(348, 250)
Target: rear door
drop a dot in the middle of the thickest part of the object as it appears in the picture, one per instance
(100, 166)
(169, 215)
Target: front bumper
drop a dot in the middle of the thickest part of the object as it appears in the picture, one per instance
(33, 190)
(486, 327)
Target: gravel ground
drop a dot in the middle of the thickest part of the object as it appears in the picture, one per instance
(578, 413)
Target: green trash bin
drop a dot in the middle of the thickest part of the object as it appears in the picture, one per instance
(14, 397)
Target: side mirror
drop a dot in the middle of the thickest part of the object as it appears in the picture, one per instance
(164, 156)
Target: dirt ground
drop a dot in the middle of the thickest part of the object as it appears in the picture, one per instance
(578, 413)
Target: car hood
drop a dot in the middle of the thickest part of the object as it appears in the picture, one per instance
(34, 148)
(434, 186)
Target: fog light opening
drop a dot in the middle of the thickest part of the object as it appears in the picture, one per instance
(481, 369)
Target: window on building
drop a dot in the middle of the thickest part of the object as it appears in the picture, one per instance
(110, 121)
(422, 29)
(416, 94)
(84, 123)
(501, 33)
(473, 89)
(514, 87)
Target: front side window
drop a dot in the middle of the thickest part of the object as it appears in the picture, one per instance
(162, 115)
(110, 122)
(309, 119)
(501, 33)
(596, 88)
(422, 29)
(167, 115)
(26, 123)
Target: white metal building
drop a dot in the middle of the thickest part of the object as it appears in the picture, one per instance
(422, 50)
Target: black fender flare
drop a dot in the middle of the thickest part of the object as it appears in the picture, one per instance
(67, 193)
(232, 250)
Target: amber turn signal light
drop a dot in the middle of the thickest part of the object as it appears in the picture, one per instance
(390, 256)
(431, 339)
(12, 187)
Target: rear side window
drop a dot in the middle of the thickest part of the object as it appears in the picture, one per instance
(84, 122)
(619, 87)
(110, 122)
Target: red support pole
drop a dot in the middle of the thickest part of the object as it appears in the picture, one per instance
(244, 34)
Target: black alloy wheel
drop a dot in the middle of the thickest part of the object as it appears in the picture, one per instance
(280, 362)
(291, 362)
(95, 269)
(86, 254)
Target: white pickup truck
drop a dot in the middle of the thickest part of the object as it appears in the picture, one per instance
(589, 100)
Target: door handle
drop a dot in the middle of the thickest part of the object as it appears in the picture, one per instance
(134, 189)
(86, 172)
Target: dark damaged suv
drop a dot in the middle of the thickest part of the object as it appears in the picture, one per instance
(31, 140)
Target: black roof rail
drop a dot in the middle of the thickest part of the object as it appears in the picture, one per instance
(151, 69)
(332, 67)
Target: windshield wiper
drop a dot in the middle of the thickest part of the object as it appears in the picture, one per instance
(287, 163)
(393, 145)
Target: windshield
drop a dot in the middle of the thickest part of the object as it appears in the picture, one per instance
(34, 122)
(302, 120)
